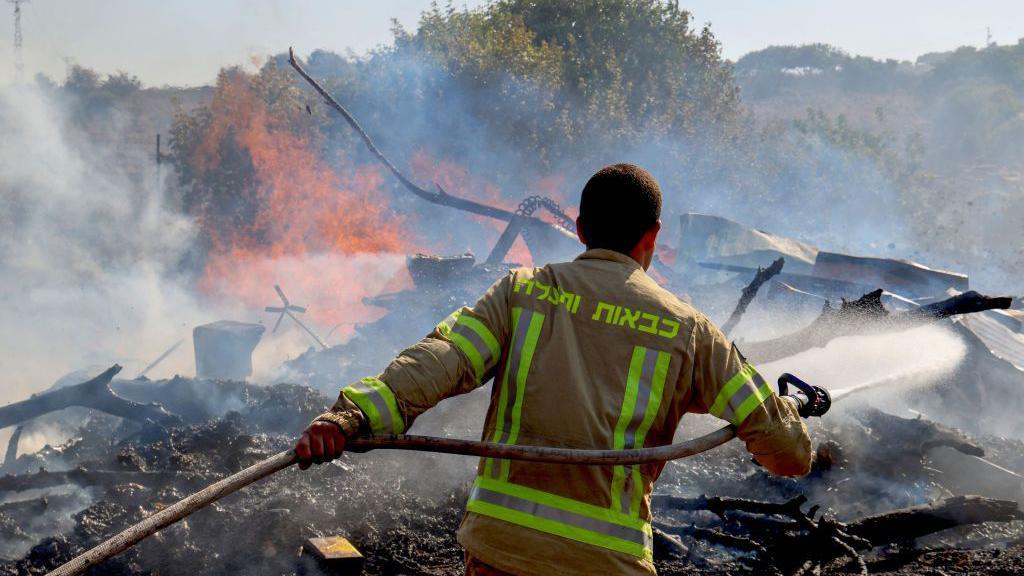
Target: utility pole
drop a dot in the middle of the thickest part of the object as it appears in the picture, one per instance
(159, 162)
(19, 66)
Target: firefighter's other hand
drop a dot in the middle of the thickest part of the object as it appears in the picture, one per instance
(320, 443)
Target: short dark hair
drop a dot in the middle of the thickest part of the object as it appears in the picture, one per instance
(618, 205)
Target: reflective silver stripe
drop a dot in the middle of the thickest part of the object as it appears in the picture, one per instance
(563, 516)
(477, 342)
(627, 490)
(643, 396)
(387, 424)
(749, 388)
(510, 379)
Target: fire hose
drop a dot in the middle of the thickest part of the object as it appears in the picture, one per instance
(152, 524)
(811, 395)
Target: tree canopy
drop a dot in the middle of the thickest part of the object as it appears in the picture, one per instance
(518, 97)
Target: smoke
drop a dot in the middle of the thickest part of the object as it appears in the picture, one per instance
(91, 257)
(87, 255)
(501, 141)
(93, 260)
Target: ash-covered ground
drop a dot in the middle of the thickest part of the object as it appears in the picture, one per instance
(402, 509)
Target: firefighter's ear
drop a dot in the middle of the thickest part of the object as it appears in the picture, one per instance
(650, 238)
(579, 231)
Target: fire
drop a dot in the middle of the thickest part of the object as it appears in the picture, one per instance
(326, 234)
(456, 179)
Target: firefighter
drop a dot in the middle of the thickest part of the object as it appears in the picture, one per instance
(589, 354)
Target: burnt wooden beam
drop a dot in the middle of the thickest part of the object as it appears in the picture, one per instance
(85, 477)
(440, 197)
(809, 543)
(750, 292)
(95, 394)
(907, 524)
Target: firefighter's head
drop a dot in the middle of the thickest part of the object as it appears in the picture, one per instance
(620, 210)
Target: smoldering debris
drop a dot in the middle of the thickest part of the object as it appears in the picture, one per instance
(402, 510)
(127, 470)
(952, 492)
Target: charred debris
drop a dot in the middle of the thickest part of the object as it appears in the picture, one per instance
(892, 490)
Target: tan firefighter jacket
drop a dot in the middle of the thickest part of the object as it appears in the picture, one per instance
(585, 354)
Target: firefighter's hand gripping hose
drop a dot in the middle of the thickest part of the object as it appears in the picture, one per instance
(812, 400)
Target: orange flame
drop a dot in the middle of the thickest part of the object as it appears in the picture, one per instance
(326, 235)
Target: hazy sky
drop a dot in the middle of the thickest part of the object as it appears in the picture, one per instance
(187, 41)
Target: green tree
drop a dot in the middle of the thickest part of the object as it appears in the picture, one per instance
(121, 84)
(81, 80)
(573, 77)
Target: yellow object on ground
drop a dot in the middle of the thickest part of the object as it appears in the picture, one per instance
(336, 554)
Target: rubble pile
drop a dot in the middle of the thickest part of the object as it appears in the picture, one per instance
(869, 465)
(402, 509)
(890, 492)
(117, 472)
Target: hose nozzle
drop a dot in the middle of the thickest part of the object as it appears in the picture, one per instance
(810, 400)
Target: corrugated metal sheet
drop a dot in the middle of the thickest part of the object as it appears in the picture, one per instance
(706, 238)
(1001, 332)
(903, 276)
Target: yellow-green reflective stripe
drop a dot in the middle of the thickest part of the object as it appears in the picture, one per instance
(563, 503)
(637, 492)
(476, 342)
(525, 353)
(379, 404)
(636, 366)
(653, 405)
(645, 385)
(499, 427)
(742, 395)
(751, 403)
(366, 405)
(475, 359)
(559, 529)
(730, 388)
(481, 330)
(392, 402)
(562, 516)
